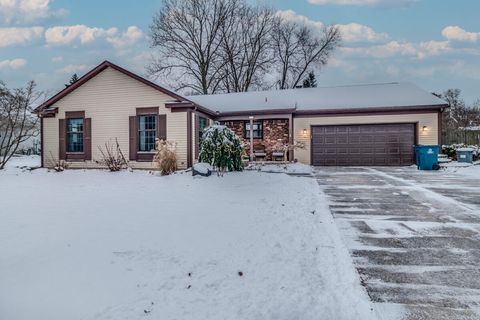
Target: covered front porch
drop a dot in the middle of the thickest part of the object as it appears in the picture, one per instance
(267, 137)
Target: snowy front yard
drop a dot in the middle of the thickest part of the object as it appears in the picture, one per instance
(97, 245)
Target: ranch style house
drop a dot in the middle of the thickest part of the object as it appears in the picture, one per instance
(359, 125)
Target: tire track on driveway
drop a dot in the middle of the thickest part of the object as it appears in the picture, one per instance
(413, 246)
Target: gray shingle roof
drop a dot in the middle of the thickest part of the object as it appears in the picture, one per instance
(385, 95)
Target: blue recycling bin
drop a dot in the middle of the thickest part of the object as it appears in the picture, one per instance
(427, 157)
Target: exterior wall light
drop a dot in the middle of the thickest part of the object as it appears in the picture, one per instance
(304, 132)
(424, 128)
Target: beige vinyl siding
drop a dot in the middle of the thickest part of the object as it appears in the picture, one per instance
(429, 136)
(109, 99)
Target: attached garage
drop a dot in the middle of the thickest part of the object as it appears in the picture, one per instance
(363, 145)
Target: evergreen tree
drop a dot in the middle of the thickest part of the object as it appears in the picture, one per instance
(310, 81)
(221, 148)
(73, 79)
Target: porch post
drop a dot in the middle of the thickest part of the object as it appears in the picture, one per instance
(251, 138)
(291, 138)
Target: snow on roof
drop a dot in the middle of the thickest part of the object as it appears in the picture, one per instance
(474, 128)
(322, 98)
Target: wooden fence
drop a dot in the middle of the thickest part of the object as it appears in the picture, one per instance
(458, 136)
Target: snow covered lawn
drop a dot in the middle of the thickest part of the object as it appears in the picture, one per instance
(472, 171)
(132, 245)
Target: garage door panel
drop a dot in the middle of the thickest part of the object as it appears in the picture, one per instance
(367, 151)
(318, 130)
(406, 149)
(393, 150)
(380, 150)
(353, 139)
(353, 129)
(330, 139)
(365, 129)
(393, 139)
(407, 139)
(366, 138)
(363, 145)
(394, 162)
(380, 161)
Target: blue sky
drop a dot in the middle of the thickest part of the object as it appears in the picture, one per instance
(435, 44)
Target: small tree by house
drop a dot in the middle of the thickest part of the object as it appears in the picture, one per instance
(112, 157)
(221, 148)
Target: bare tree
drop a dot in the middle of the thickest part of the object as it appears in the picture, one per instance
(17, 123)
(299, 48)
(475, 113)
(187, 36)
(247, 46)
(459, 116)
(209, 46)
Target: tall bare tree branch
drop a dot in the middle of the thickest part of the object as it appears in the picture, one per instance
(247, 46)
(299, 49)
(187, 36)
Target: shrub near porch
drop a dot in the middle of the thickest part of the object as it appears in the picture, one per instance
(274, 132)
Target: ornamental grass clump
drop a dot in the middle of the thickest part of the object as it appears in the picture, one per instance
(166, 157)
(221, 148)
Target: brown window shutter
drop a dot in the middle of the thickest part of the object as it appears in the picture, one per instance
(62, 142)
(87, 139)
(132, 125)
(162, 127)
(197, 136)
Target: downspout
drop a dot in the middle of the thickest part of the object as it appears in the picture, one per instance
(41, 142)
(189, 139)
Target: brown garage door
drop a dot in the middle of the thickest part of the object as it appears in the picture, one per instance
(363, 145)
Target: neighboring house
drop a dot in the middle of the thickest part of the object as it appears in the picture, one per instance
(351, 125)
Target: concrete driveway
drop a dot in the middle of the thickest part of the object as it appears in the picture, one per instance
(414, 237)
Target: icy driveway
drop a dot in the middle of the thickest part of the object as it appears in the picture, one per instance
(414, 236)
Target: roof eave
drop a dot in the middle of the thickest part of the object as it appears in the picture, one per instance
(370, 110)
(256, 112)
(190, 105)
(95, 71)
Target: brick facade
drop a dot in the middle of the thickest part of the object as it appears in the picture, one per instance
(275, 134)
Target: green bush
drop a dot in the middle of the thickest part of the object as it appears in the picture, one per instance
(221, 148)
(450, 151)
